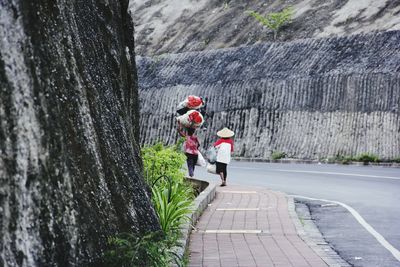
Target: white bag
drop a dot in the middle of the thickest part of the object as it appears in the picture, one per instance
(212, 155)
(200, 160)
(212, 168)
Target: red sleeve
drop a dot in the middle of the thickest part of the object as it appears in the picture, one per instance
(229, 141)
(219, 141)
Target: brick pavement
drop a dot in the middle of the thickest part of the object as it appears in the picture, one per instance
(249, 226)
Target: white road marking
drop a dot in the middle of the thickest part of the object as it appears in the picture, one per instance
(233, 231)
(395, 252)
(246, 168)
(319, 172)
(240, 192)
(238, 209)
(341, 173)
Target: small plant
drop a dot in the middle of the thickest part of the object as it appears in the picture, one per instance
(274, 21)
(278, 155)
(172, 205)
(151, 249)
(302, 221)
(226, 5)
(366, 157)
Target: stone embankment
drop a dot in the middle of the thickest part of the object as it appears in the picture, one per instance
(311, 99)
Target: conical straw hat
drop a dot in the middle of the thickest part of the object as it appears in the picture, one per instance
(225, 133)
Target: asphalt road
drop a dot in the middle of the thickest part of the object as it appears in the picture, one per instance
(373, 193)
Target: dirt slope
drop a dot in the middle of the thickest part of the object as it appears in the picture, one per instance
(172, 26)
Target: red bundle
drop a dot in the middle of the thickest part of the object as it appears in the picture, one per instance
(194, 102)
(192, 119)
(196, 117)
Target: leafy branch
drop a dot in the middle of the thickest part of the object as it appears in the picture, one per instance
(274, 21)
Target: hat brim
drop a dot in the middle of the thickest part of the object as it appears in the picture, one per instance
(225, 133)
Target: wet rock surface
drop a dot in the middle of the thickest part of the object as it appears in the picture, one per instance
(70, 171)
(311, 99)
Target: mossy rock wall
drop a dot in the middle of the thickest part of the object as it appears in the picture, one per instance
(70, 171)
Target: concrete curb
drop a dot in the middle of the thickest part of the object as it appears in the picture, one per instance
(199, 205)
(310, 234)
(309, 161)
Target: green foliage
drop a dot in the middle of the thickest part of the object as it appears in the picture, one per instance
(152, 249)
(274, 21)
(366, 157)
(172, 205)
(397, 160)
(172, 198)
(343, 159)
(178, 145)
(163, 160)
(226, 4)
(302, 221)
(278, 155)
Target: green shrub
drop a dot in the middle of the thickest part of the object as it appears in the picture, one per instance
(397, 160)
(343, 159)
(178, 145)
(278, 155)
(172, 195)
(274, 21)
(347, 159)
(163, 160)
(151, 249)
(172, 198)
(366, 157)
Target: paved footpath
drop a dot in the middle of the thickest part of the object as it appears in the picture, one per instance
(249, 226)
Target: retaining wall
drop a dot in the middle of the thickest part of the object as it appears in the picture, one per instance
(310, 98)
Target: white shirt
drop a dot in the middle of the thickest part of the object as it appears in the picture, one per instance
(224, 153)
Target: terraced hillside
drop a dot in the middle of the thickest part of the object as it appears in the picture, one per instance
(312, 98)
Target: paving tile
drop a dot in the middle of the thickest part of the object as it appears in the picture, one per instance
(278, 245)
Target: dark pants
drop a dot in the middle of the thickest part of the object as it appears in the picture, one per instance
(221, 167)
(191, 163)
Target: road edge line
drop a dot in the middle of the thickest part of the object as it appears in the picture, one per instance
(361, 220)
(325, 252)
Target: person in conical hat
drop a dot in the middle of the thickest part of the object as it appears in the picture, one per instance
(224, 147)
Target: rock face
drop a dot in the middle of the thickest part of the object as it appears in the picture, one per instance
(70, 171)
(311, 99)
(172, 26)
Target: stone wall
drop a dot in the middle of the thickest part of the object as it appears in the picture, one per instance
(70, 172)
(311, 98)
